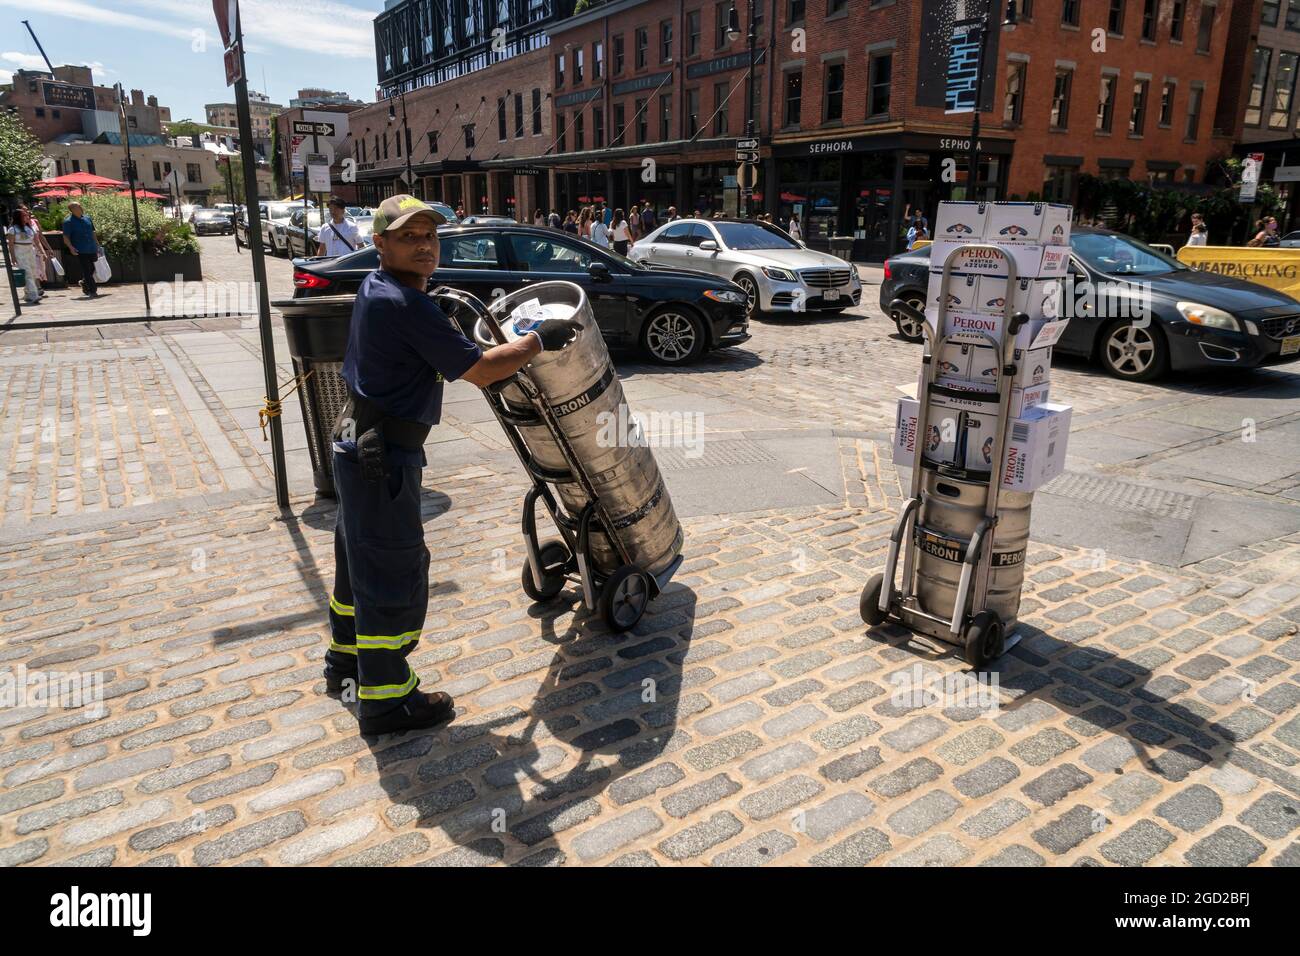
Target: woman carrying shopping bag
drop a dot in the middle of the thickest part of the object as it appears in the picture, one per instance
(22, 238)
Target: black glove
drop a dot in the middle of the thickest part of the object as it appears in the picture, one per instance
(556, 333)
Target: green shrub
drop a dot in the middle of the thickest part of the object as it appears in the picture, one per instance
(115, 225)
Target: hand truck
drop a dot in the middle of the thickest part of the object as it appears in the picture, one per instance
(622, 596)
(969, 624)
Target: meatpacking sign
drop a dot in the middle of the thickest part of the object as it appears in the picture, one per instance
(1277, 268)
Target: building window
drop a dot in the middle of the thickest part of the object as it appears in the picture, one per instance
(1058, 183)
(76, 165)
(642, 120)
(692, 112)
(838, 6)
(562, 141)
(642, 47)
(1283, 91)
(1176, 18)
(665, 117)
(469, 136)
(720, 13)
(559, 71)
(620, 123)
(1205, 28)
(501, 118)
(579, 132)
(721, 92)
(1194, 112)
(597, 127)
(880, 71)
(385, 144)
(1292, 14)
(795, 11)
(90, 168)
(1070, 12)
(1014, 108)
(793, 96)
(1061, 99)
(1115, 19)
(665, 41)
(597, 60)
(192, 173)
(692, 33)
(1167, 92)
(433, 142)
(1138, 117)
(362, 141)
(1258, 80)
(519, 115)
(833, 107)
(618, 54)
(537, 111)
(577, 66)
(397, 143)
(1149, 20)
(1268, 12)
(40, 112)
(1106, 103)
(157, 172)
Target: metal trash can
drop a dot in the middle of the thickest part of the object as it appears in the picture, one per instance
(842, 246)
(317, 330)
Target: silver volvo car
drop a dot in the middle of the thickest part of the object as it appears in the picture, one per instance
(776, 273)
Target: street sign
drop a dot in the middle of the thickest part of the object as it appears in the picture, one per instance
(318, 172)
(227, 13)
(232, 57)
(308, 129)
(304, 148)
(746, 176)
(746, 155)
(407, 177)
(746, 144)
(1286, 174)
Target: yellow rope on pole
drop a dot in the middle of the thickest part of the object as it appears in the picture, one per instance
(271, 406)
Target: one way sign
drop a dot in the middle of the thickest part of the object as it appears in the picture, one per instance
(746, 144)
(307, 129)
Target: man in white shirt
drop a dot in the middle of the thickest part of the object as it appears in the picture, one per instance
(338, 236)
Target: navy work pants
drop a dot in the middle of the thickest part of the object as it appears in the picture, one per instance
(381, 582)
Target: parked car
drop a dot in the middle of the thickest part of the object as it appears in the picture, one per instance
(270, 212)
(776, 273)
(673, 317)
(207, 222)
(485, 220)
(1198, 320)
(300, 241)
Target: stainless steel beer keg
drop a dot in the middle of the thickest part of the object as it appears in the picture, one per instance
(579, 384)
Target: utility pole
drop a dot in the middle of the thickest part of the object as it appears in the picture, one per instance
(406, 140)
(259, 265)
(733, 31)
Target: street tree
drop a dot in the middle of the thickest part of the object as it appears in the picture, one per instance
(21, 157)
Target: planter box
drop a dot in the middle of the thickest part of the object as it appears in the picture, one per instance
(162, 268)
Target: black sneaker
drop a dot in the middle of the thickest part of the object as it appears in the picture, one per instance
(417, 712)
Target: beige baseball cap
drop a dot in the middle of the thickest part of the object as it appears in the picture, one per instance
(395, 210)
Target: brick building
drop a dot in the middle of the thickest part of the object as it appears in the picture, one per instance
(27, 95)
(648, 99)
(261, 113)
(471, 139)
(337, 117)
(862, 123)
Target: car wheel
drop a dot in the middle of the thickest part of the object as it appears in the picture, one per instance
(749, 286)
(1137, 353)
(909, 328)
(672, 336)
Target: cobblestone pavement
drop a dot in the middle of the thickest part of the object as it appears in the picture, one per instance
(1150, 714)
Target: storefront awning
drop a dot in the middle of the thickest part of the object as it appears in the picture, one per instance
(629, 156)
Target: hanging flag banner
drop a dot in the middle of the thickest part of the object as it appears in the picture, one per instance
(954, 53)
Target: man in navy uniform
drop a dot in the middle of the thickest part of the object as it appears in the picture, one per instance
(401, 347)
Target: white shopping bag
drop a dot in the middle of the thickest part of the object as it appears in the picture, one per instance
(56, 266)
(102, 272)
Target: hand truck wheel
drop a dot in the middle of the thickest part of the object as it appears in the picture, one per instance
(624, 597)
(869, 605)
(553, 556)
(982, 639)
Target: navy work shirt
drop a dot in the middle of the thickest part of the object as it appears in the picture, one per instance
(81, 233)
(401, 347)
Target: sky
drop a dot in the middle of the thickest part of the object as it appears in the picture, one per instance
(171, 48)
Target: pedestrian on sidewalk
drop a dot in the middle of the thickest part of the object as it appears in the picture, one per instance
(82, 241)
(339, 236)
(44, 254)
(22, 238)
(401, 348)
(795, 230)
(621, 236)
(600, 232)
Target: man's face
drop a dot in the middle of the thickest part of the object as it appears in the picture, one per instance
(412, 247)
(75, 210)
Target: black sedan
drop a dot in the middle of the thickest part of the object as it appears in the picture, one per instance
(1197, 320)
(673, 317)
(211, 222)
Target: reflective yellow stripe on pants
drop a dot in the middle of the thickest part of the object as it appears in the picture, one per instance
(388, 691)
(338, 607)
(378, 642)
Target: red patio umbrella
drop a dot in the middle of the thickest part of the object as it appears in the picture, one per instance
(52, 194)
(140, 193)
(80, 179)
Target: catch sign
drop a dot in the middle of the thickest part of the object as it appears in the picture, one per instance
(963, 70)
(953, 52)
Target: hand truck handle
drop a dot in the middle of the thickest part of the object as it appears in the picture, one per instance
(909, 310)
(460, 298)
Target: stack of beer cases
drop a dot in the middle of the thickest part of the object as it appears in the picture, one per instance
(961, 429)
